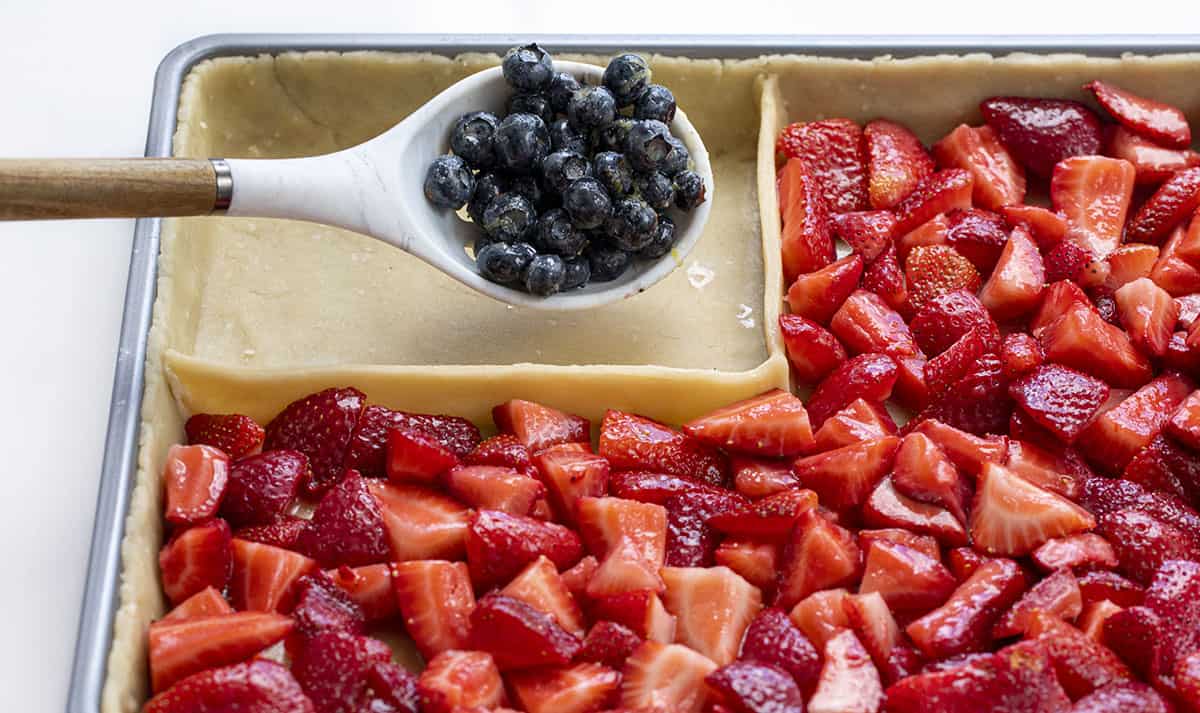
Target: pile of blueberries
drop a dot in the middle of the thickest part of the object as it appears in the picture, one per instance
(574, 182)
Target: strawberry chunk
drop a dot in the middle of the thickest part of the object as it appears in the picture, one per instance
(886, 507)
(569, 475)
(770, 517)
(1173, 202)
(518, 635)
(1187, 677)
(1165, 466)
(540, 586)
(196, 479)
(849, 680)
(503, 450)
(499, 545)
(1143, 542)
(320, 426)
(1184, 424)
(879, 634)
(322, 606)
(650, 487)
(1011, 516)
(254, 686)
(964, 623)
(1059, 470)
(1015, 286)
(395, 685)
(1020, 354)
(932, 232)
(712, 607)
(1112, 439)
(1082, 664)
(774, 640)
(812, 350)
(866, 376)
(641, 611)
(844, 477)
(867, 232)
(181, 648)
(1093, 193)
(233, 434)
(539, 426)
(946, 369)
(945, 318)
(264, 577)
(817, 295)
(833, 150)
(413, 457)
(195, 559)
(609, 643)
(757, 561)
(924, 472)
(935, 270)
(436, 601)
(575, 689)
(206, 602)
(860, 420)
(822, 615)
(456, 680)
(749, 687)
(333, 666)
(1056, 595)
(284, 532)
(367, 452)
(978, 403)
(1084, 550)
(819, 555)
(1081, 339)
(978, 235)
(885, 278)
(773, 424)
(896, 163)
(865, 323)
(632, 442)
(906, 579)
(938, 192)
(668, 676)
(1060, 399)
(370, 587)
(1173, 273)
(494, 488)
(347, 527)
(1174, 594)
(1129, 262)
(1124, 697)
(1041, 132)
(1152, 163)
(1104, 495)
(1148, 314)
(1158, 122)
(921, 543)
(262, 487)
(806, 240)
(998, 179)
(1188, 248)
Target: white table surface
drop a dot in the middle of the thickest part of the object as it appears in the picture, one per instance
(76, 80)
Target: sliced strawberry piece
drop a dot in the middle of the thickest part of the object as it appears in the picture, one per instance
(1143, 542)
(998, 179)
(806, 240)
(773, 639)
(413, 457)
(946, 369)
(179, 649)
(436, 601)
(751, 687)
(1154, 120)
(819, 555)
(1060, 399)
(1102, 585)
(195, 559)
(569, 475)
(519, 636)
(908, 580)
(369, 587)
(1041, 132)
(932, 232)
(1060, 470)
(1103, 496)
(322, 606)
(1082, 664)
(457, 680)
(499, 545)
(1184, 424)
(609, 643)
(347, 527)
(1173, 203)
(843, 478)
(935, 270)
(967, 451)
(632, 442)
(1015, 286)
(650, 487)
(770, 517)
(946, 318)
(1067, 261)
(924, 472)
(1174, 594)
(876, 628)
(421, 523)
(818, 294)
(963, 562)
(1187, 678)
(669, 676)
(1045, 226)
(1057, 595)
(979, 403)
(539, 426)
(1011, 516)
(1165, 466)
(849, 680)
(1093, 194)
(1188, 248)
(255, 686)
(1135, 634)
(1020, 354)
(1112, 439)
(860, 420)
(1058, 300)
(1152, 162)
(1125, 697)
(262, 487)
(1081, 339)
(773, 424)
(1173, 273)
(978, 235)
(822, 615)
(494, 488)
(691, 540)
(233, 434)
(761, 477)
(865, 323)
(333, 667)
(833, 151)
(264, 577)
(938, 192)
(1148, 314)
(712, 607)
(885, 278)
(867, 232)
(503, 450)
(368, 446)
(1129, 262)
(924, 544)
(964, 623)
(888, 508)
(896, 163)
(1091, 621)
(395, 685)
(755, 560)
(284, 532)
(574, 689)
(642, 612)
(866, 376)
(206, 602)
(319, 426)
(540, 586)
(196, 479)
(812, 350)
(1084, 550)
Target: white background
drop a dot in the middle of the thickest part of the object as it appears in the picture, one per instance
(76, 81)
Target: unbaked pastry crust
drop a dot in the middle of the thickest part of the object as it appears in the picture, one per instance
(252, 314)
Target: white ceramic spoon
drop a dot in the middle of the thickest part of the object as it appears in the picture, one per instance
(374, 188)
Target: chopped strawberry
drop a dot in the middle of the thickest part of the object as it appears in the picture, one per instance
(333, 667)
(283, 532)
(421, 523)
(1148, 314)
(1020, 354)
(1081, 339)
(457, 680)
(413, 457)
(370, 587)
(667, 676)
(1045, 226)
(1059, 470)
(494, 488)
(998, 179)
(748, 687)
(1158, 122)
(1184, 424)
(1066, 261)
(888, 508)
(1135, 634)
(896, 163)
(1060, 399)
(234, 434)
(806, 240)
(1129, 262)
(833, 150)
(769, 517)
(818, 294)
(712, 607)
(1143, 542)
(264, 577)
(773, 424)
(1042, 132)
(978, 235)
(1123, 697)
(1058, 299)
(395, 685)
(844, 477)
(1168, 467)
(539, 426)
(1093, 194)
(819, 555)
(1056, 595)
(540, 586)
(867, 232)
(967, 451)
(322, 606)
(812, 350)
(1174, 594)
(964, 623)
(650, 487)
(642, 612)
(367, 450)
(347, 527)
(195, 559)
(580, 688)
(924, 544)
(885, 278)
(865, 323)
(691, 541)
(1084, 550)
(860, 420)
(1173, 203)
(518, 635)
(320, 426)
(1091, 621)
(196, 479)
(1173, 273)
(436, 601)
(570, 475)
(849, 680)
(978, 403)
(879, 633)
(908, 580)
(761, 477)
(503, 450)
(755, 560)
(1187, 678)
(178, 649)
(206, 602)
(255, 686)
(1011, 516)
(924, 472)
(1113, 438)
(1081, 663)
(946, 318)
(946, 369)
(866, 376)
(933, 271)
(262, 486)
(632, 442)
(1103, 496)
(932, 232)
(499, 545)
(963, 562)
(1152, 162)
(938, 192)
(1017, 282)
(773, 639)
(609, 643)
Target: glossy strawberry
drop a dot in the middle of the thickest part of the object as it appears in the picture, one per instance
(924, 544)
(421, 523)
(320, 426)
(751, 687)
(860, 420)
(849, 680)
(1143, 542)
(1173, 595)
(1060, 399)
(938, 192)
(665, 675)
(691, 540)
(255, 686)
(978, 403)
(1153, 163)
(1166, 466)
(866, 376)
(332, 668)
(503, 450)
(886, 507)
(1122, 697)
(569, 689)
(1082, 664)
(1042, 132)
(712, 607)
(539, 426)
(206, 602)
(370, 587)
(518, 635)
(1047, 227)
(806, 239)
(933, 271)
(819, 555)
(413, 457)
(817, 295)
(774, 640)
(932, 232)
(196, 479)
(263, 486)
(822, 615)
(978, 235)
(367, 450)
(998, 179)
(867, 232)
(322, 606)
(844, 477)
(865, 323)
(812, 350)
(924, 472)
(1156, 121)
(234, 434)
(264, 577)
(773, 424)
(1172, 204)
(454, 680)
(1057, 595)
(770, 517)
(1148, 313)
(896, 162)
(1130, 262)
(1081, 339)
(641, 611)
(1011, 516)
(570, 475)
(650, 487)
(946, 369)
(436, 601)
(181, 648)
(885, 278)
(1093, 193)
(499, 545)
(1173, 273)
(944, 319)
(1083, 550)
(194, 559)
(1116, 436)
(964, 622)
(833, 150)
(395, 685)
(633, 442)
(906, 579)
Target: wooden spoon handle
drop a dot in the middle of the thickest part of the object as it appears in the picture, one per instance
(39, 189)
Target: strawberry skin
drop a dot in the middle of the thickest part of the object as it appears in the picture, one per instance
(1060, 399)
(806, 240)
(896, 163)
(368, 446)
(499, 545)
(519, 636)
(1093, 193)
(1152, 163)
(964, 623)
(773, 639)
(196, 480)
(631, 442)
(196, 558)
(1042, 132)
(812, 350)
(866, 376)
(833, 150)
(843, 478)
(413, 457)
(234, 434)
(747, 686)
(319, 426)
(978, 235)
(944, 319)
(998, 179)
(180, 649)
(817, 295)
(1158, 122)
(1171, 204)
(774, 424)
(255, 686)
(333, 666)
(347, 527)
(262, 487)
(938, 192)
(935, 270)
(867, 232)
(1113, 438)
(1081, 339)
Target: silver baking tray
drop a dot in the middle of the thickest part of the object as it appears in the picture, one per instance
(100, 598)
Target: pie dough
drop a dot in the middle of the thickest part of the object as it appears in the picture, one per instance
(251, 314)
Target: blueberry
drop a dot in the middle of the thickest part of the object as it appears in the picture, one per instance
(612, 137)
(521, 142)
(590, 108)
(562, 168)
(677, 158)
(663, 241)
(647, 145)
(545, 274)
(556, 234)
(509, 218)
(606, 262)
(527, 67)
(448, 182)
(526, 252)
(632, 224)
(657, 102)
(488, 186)
(482, 240)
(656, 189)
(613, 172)
(501, 262)
(587, 203)
(578, 272)
(562, 86)
(530, 189)
(689, 190)
(626, 76)
(472, 138)
(565, 138)
(530, 103)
